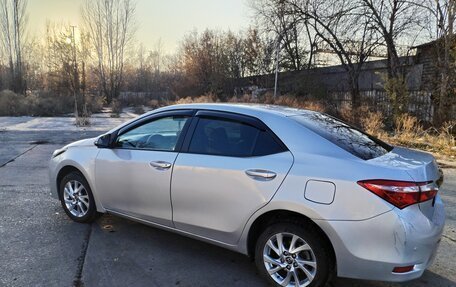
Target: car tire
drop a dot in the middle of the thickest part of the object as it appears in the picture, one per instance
(77, 199)
(310, 249)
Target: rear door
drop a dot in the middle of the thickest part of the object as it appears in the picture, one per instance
(230, 167)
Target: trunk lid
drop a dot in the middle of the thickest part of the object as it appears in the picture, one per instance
(421, 166)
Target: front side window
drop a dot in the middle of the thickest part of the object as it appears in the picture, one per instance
(231, 138)
(161, 134)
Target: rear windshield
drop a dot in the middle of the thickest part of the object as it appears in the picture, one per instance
(343, 135)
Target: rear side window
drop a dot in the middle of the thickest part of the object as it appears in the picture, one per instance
(231, 138)
(266, 144)
(343, 135)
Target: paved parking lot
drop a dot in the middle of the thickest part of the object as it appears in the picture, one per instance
(40, 246)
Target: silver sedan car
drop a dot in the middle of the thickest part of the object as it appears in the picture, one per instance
(304, 194)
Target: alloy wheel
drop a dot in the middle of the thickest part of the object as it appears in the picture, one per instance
(289, 260)
(76, 198)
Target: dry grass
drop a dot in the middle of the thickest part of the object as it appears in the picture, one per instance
(407, 126)
(409, 132)
(345, 112)
(243, 99)
(116, 108)
(289, 101)
(442, 140)
(373, 124)
(82, 121)
(207, 98)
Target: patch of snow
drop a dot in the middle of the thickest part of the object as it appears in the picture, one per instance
(98, 122)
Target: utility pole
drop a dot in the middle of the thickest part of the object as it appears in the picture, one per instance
(75, 72)
(279, 39)
(276, 67)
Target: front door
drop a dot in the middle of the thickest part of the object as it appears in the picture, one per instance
(133, 178)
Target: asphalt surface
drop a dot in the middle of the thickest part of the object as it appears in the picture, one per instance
(41, 246)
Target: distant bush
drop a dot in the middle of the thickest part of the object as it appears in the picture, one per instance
(116, 108)
(49, 105)
(396, 89)
(153, 104)
(139, 110)
(44, 104)
(12, 104)
(94, 103)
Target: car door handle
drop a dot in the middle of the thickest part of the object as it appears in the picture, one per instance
(160, 164)
(260, 174)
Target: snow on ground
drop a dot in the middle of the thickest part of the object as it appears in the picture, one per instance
(99, 122)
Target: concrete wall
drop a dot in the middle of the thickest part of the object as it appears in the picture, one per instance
(334, 78)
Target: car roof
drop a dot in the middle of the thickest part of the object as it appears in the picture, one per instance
(242, 108)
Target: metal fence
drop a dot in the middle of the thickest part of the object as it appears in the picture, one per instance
(420, 103)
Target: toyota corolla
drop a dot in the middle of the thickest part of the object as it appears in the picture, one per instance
(304, 194)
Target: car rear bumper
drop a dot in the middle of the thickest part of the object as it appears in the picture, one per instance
(371, 249)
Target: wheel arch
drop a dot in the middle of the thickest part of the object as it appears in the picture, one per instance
(63, 172)
(282, 215)
(70, 167)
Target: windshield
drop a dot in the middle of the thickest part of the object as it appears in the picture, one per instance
(343, 135)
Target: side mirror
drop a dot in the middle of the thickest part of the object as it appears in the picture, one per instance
(104, 141)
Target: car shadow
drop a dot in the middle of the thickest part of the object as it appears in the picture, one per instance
(125, 253)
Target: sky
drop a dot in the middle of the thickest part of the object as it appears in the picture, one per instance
(165, 20)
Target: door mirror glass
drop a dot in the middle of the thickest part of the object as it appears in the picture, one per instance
(103, 141)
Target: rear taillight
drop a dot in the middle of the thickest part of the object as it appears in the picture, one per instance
(401, 193)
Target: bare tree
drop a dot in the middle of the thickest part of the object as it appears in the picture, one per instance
(66, 55)
(63, 71)
(234, 49)
(111, 26)
(12, 23)
(258, 53)
(394, 20)
(343, 27)
(287, 30)
(156, 56)
(204, 61)
(148, 68)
